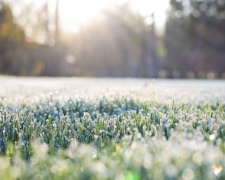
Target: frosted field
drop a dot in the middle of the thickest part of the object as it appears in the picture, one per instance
(18, 90)
(125, 129)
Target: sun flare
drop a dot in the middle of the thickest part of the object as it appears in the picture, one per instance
(75, 13)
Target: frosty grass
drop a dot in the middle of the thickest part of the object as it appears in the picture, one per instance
(124, 129)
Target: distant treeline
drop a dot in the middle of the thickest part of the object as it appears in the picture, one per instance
(120, 44)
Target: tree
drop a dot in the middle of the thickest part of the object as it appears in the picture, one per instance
(195, 38)
(113, 46)
(12, 40)
(149, 59)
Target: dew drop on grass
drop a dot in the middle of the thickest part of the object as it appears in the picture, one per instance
(217, 169)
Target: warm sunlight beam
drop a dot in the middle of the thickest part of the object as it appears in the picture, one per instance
(75, 13)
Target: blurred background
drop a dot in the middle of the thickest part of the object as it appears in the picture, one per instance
(113, 38)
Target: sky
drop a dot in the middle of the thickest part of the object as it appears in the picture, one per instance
(74, 13)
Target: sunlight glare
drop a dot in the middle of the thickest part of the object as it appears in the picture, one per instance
(75, 13)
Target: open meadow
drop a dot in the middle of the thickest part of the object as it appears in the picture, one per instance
(123, 129)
